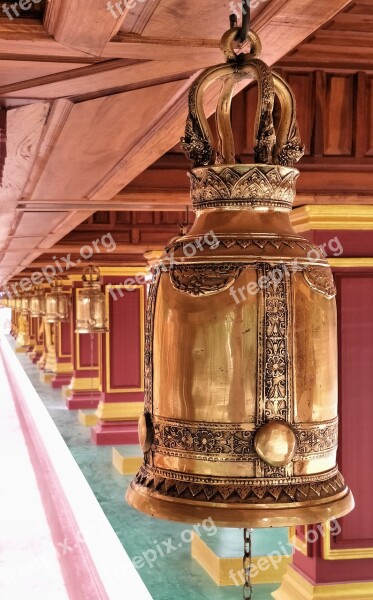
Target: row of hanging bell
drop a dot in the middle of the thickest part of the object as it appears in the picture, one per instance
(240, 421)
(91, 313)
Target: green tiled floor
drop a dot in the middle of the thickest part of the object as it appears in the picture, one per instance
(175, 575)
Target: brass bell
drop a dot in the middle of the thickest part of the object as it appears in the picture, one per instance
(18, 304)
(4, 300)
(25, 308)
(56, 303)
(37, 303)
(240, 420)
(91, 308)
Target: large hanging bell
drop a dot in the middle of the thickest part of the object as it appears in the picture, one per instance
(37, 303)
(240, 420)
(91, 314)
(57, 304)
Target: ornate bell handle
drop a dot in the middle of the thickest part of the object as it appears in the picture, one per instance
(90, 272)
(275, 142)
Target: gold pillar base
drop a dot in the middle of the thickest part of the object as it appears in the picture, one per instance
(46, 377)
(119, 411)
(126, 465)
(229, 571)
(294, 585)
(84, 384)
(21, 349)
(87, 419)
(171, 508)
(41, 362)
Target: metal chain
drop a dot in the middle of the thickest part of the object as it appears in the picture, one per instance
(92, 338)
(245, 21)
(246, 18)
(247, 561)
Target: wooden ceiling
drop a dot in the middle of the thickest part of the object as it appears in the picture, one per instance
(93, 101)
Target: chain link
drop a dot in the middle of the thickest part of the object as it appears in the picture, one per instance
(247, 561)
(92, 350)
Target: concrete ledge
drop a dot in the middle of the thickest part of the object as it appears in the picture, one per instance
(98, 567)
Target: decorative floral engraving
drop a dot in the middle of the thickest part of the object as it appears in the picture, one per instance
(201, 280)
(258, 186)
(148, 352)
(235, 440)
(274, 346)
(208, 439)
(321, 280)
(317, 439)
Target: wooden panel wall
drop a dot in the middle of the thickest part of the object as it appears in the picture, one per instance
(335, 113)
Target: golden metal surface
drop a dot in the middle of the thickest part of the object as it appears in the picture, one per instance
(145, 432)
(240, 338)
(275, 442)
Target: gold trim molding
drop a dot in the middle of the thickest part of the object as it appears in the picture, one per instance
(298, 543)
(343, 263)
(114, 271)
(342, 553)
(332, 216)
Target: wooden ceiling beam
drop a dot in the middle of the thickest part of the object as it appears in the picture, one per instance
(28, 40)
(99, 80)
(85, 26)
(282, 25)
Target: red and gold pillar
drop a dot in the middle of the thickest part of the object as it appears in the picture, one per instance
(47, 362)
(84, 390)
(14, 326)
(39, 339)
(122, 350)
(335, 560)
(32, 335)
(42, 360)
(63, 371)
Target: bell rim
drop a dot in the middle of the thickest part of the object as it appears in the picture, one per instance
(263, 515)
